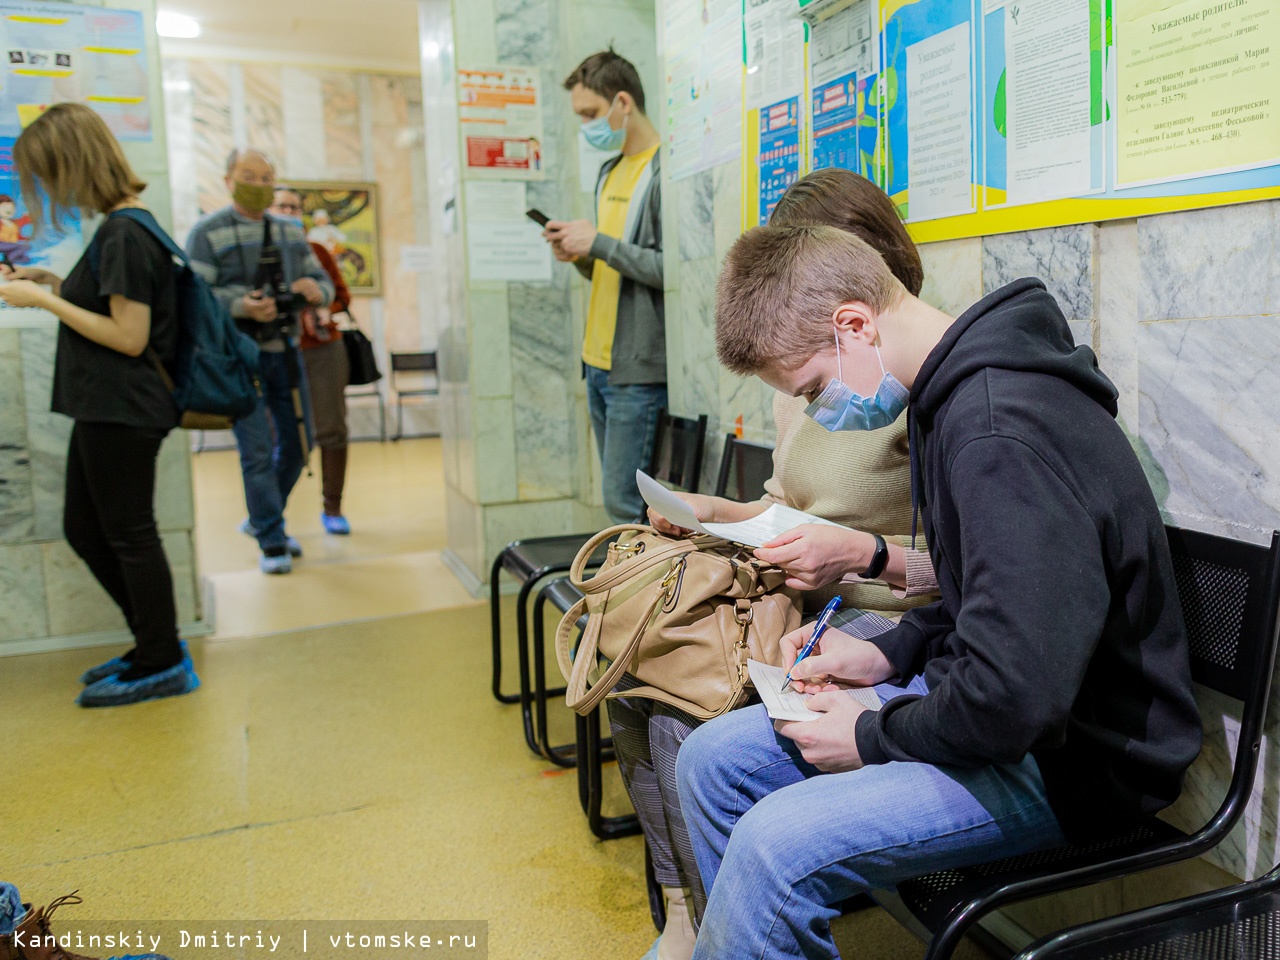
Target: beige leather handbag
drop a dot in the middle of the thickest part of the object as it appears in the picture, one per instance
(680, 615)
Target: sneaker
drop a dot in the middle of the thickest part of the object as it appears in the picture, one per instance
(114, 692)
(295, 548)
(277, 563)
(338, 525)
(34, 929)
(116, 664)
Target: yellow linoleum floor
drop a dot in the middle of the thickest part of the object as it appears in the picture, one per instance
(352, 771)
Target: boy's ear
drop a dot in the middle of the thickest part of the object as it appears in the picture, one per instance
(858, 320)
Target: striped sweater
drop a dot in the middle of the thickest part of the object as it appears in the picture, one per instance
(224, 248)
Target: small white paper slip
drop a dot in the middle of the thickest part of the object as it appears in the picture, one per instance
(790, 705)
(755, 532)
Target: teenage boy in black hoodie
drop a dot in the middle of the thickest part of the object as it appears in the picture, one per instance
(1047, 695)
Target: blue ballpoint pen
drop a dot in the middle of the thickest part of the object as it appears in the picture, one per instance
(824, 620)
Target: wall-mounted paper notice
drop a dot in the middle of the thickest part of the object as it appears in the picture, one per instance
(940, 125)
(503, 244)
(415, 258)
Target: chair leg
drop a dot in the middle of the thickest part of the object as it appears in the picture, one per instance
(399, 419)
(495, 632)
(535, 724)
(382, 418)
(590, 766)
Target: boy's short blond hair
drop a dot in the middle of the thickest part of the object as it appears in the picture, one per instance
(780, 286)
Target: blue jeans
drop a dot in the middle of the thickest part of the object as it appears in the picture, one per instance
(270, 449)
(777, 842)
(624, 420)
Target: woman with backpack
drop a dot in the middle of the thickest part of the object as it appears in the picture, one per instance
(118, 326)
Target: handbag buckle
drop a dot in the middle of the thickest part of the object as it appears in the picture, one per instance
(626, 551)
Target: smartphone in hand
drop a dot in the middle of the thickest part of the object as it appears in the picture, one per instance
(538, 217)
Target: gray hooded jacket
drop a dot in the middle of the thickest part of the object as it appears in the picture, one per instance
(640, 338)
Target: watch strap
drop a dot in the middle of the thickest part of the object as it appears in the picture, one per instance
(879, 559)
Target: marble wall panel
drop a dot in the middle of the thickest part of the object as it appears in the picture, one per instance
(175, 509)
(180, 551)
(495, 451)
(952, 274)
(541, 345)
(264, 110)
(526, 31)
(1208, 415)
(183, 185)
(17, 515)
(1117, 323)
(695, 204)
(302, 95)
(491, 346)
(391, 130)
(505, 522)
(343, 150)
(1063, 257)
(47, 433)
(1220, 262)
(463, 518)
(211, 129)
(76, 602)
(23, 614)
(727, 207)
(699, 369)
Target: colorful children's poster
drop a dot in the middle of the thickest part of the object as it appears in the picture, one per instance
(779, 156)
(835, 124)
(21, 243)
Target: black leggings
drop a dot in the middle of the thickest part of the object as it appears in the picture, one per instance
(109, 520)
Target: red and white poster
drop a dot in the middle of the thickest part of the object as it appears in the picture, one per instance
(500, 110)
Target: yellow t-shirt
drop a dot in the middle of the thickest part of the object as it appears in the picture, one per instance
(611, 220)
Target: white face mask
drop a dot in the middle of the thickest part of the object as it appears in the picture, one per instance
(839, 408)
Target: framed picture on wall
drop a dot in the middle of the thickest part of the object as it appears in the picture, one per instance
(343, 217)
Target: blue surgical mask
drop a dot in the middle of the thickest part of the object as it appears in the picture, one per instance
(600, 135)
(839, 408)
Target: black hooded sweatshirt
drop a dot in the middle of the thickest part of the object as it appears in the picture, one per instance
(1059, 631)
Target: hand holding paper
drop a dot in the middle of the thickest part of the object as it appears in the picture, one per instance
(759, 530)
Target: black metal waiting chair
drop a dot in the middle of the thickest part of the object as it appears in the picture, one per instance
(1240, 922)
(412, 363)
(677, 460)
(1230, 596)
(744, 468)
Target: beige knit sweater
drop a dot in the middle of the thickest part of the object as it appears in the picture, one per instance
(859, 478)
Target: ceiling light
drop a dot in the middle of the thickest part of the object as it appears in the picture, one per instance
(176, 25)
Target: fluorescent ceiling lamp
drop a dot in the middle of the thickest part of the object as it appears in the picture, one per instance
(176, 25)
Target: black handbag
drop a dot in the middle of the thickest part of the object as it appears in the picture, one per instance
(361, 362)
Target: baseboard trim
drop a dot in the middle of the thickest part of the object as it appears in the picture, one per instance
(473, 584)
(104, 638)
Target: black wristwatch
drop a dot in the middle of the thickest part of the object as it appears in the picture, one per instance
(879, 560)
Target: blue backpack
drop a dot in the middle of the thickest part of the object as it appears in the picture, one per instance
(215, 373)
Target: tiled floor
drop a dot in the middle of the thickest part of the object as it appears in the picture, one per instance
(357, 770)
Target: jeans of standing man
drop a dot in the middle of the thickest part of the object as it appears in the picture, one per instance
(109, 520)
(778, 842)
(624, 420)
(270, 449)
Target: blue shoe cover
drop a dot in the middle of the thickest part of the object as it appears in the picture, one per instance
(336, 525)
(117, 664)
(295, 548)
(280, 564)
(113, 692)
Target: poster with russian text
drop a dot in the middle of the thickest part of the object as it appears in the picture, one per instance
(56, 52)
(500, 110)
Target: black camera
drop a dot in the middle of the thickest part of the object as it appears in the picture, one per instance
(288, 304)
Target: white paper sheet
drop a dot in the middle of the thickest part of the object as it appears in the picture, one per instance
(1047, 50)
(790, 705)
(940, 125)
(756, 532)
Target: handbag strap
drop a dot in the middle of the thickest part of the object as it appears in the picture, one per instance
(608, 578)
(581, 696)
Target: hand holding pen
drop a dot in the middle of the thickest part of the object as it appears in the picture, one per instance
(819, 628)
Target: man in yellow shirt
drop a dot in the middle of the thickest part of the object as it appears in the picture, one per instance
(624, 350)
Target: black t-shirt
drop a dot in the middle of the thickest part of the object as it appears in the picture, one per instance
(100, 385)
